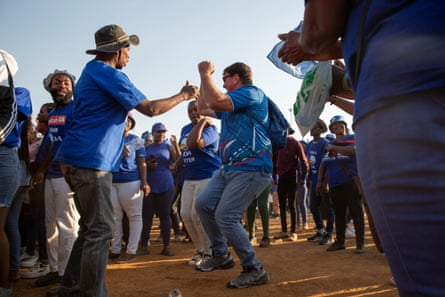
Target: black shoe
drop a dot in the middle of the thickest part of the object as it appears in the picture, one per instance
(50, 278)
(316, 238)
(327, 239)
(265, 242)
(336, 246)
(216, 262)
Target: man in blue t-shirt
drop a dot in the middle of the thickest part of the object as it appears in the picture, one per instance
(246, 154)
(91, 151)
(316, 150)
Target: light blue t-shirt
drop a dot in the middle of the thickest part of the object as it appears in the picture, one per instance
(200, 163)
(244, 142)
(102, 98)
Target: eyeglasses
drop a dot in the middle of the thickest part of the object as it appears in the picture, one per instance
(225, 77)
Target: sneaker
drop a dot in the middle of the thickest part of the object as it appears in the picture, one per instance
(305, 226)
(216, 262)
(50, 278)
(327, 239)
(293, 237)
(167, 251)
(316, 238)
(336, 246)
(125, 258)
(142, 251)
(281, 235)
(37, 271)
(265, 242)
(28, 261)
(253, 241)
(249, 277)
(196, 259)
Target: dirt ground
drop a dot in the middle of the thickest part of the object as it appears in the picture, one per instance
(299, 268)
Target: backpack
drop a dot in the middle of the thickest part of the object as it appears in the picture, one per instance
(278, 126)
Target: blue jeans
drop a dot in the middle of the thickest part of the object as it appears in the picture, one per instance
(401, 162)
(9, 175)
(87, 265)
(316, 204)
(12, 228)
(221, 205)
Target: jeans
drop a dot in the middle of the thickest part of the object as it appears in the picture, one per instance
(346, 197)
(87, 265)
(317, 203)
(61, 221)
(301, 204)
(403, 181)
(220, 207)
(12, 228)
(287, 187)
(9, 175)
(262, 202)
(161, 204)
(193, 225)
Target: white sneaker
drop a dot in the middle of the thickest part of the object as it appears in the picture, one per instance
(35, 272)
(293, 237)
(253, 241)
(196, 259)
(28, 261)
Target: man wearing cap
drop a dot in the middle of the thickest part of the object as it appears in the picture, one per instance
(61, 215)
(92, 148)
(316, 151)
(246, 155)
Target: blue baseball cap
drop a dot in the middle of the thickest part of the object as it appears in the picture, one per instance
(158, 127)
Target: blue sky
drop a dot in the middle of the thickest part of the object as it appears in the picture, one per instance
(175, 36)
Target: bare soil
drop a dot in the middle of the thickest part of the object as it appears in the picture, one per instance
(299, 268)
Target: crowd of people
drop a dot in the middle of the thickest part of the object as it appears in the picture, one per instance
(97, 186)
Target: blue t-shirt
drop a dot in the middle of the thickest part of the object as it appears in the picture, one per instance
(244, 142)
(315, 153)
(200, 163)
(128, 168)
(403, 54)
(337, 176)
(59, 120)
(159, 178)
(103, 96)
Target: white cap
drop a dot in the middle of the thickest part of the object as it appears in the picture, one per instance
(5, 57)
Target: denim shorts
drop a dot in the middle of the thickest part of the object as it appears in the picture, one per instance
(9, 175)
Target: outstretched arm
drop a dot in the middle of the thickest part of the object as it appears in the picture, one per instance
(160, 106)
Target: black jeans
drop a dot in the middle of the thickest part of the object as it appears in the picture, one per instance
(345, 197)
